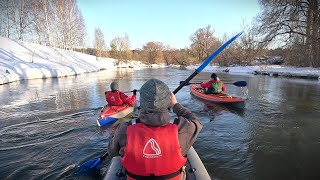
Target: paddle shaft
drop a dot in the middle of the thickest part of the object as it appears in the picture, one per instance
(184, 83)
(206, 62)
(104, 155)
(202, 82)
(237, 83)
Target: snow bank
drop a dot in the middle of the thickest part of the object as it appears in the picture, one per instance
(21, 60)
(272, 70)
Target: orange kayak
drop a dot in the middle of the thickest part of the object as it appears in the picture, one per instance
(216, 98)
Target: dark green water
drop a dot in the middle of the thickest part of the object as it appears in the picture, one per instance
(47, 127)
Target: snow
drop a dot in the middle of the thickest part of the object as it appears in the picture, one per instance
(21, 60)
(288, 71)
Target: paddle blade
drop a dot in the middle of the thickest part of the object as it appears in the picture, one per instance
(91, 166)
(240, 83)
(213, 55)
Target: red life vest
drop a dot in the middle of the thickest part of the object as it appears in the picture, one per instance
(113, 98)
(153, 151)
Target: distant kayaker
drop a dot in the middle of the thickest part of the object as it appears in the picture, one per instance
(118, 98)
(155, 145)
(213, 86)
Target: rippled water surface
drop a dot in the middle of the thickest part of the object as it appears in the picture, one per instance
(48, 126)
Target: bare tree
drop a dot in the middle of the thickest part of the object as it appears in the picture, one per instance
(136, 54)
(61, 32)
(228, 55)
(114, 52)
(42, 19)
(153, 52)
(37, 15)
(55, 23)
(80, 28)
(120, 48)
(75, 25)
(248, 46)
(20, 17)
(289, 21)
(48, 19)
(202, 40)
(180, 57)
(99, 43)
(168, 55)
(7, 12)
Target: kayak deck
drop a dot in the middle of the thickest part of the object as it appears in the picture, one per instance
(110, 114)
(221, 98)
(194, 168)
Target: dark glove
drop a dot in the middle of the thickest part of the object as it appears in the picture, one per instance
(134, 92)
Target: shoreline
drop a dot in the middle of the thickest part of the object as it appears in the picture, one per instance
(269, 70)
(24, 61)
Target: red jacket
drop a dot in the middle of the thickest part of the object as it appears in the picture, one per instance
(149, 153)
(208, 84)
(118, 98)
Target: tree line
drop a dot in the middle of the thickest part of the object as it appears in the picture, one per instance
(286, 28)
(57, 23)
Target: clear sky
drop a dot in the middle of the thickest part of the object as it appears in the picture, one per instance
(171, 22)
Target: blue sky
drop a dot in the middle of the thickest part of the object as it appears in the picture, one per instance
(170, 22)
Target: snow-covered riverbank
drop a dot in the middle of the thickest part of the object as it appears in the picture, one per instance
(22, 60)
(271, 70)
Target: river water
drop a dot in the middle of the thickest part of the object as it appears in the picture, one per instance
(48, 126)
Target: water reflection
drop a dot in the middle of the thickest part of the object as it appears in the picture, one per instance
(48, 127)
(213, 109)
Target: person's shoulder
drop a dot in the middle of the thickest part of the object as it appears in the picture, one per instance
(182, 120)
(120, 91)
(123, 127)
(124, 124)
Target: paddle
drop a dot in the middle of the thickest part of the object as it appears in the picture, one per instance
(131, 91)
(95, 164)
(206, 62)
(92, 164)
(127, 91)
(238, 83)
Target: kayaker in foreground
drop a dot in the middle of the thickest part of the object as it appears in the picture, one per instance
(155, 145)
(118, 98)
(214, 86)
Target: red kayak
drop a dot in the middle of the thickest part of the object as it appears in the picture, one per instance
(110, 114)
(216, 98)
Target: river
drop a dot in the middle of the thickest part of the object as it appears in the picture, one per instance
(48, 126)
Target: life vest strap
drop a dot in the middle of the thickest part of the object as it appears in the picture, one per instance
(119, 105)
(153, 177)
(135, 121)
